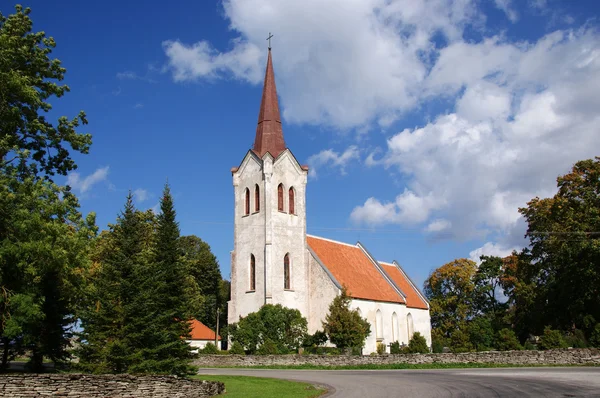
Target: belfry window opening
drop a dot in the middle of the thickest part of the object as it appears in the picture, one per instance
(247, 203)
(291, 206)
(286, 272)
(280, 197)
(256, 198)
(252, 273)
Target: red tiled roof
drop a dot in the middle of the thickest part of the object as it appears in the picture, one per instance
(353, 269)
(269, 134)
(413, 299)
(201, 332)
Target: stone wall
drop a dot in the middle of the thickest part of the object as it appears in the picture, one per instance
(587, 356)
(114, 386)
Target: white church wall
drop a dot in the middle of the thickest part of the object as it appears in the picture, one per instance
(322, 293)
(249, 236)
(421, 322)
(289, 235)
(200, 344)
(369, 310)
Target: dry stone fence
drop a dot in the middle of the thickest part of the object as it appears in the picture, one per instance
(584, 356)
(102, 386)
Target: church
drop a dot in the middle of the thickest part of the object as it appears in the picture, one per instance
(274, 261)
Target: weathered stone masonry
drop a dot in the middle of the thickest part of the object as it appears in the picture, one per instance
(586, 356)
(96, 386)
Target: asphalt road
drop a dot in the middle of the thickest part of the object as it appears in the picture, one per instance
(504, 382)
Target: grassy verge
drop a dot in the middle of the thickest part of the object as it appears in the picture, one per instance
(394, 366)
(259, 387)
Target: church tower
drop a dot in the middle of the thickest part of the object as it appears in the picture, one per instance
(269, 259)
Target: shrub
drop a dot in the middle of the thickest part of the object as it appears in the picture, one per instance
(356, 351)
(380, 348)
(418, 344)
(315, 340)
(269, 347)
(345, 327)
(551, 339)
(595, 336)
(395, 348)
(576, 339)
(437, 346)
(507, 340)
(237, 349)
(529, 346)
(286, 327)
(209, 348)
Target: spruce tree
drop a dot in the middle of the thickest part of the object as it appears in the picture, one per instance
(165, 302)
(108, 322)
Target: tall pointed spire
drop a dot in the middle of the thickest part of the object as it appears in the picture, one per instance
(269, 134)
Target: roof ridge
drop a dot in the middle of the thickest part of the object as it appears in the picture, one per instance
(333, 241)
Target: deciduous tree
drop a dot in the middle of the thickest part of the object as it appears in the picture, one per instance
(44, 243)
(28, 80)
(345, 327)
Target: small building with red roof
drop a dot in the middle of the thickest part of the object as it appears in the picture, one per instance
(274, 261)
(201, 335)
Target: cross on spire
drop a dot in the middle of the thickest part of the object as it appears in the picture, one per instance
(269, 39)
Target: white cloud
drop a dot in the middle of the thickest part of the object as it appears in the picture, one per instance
(77, 183)
(520, 114)
(140, 195)
(438, 225)
(491, 249)
(506, 7)
(517, 126)
(408, 208)
(139, 105)
(201, 61)
(342, 63)
(329, 157)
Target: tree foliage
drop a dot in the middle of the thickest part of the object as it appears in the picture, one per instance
(418, 344)
(273, 324)
(28, 80)
(141, 296)
(204, 268)
(450, 291)
(44, 243)
(345, 327)
(562, 268)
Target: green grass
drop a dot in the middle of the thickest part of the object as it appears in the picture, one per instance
(394, 366)
(259, 387)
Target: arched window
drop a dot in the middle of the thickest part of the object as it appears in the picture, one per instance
(409, 325)
(286, 271)
(247, 204)
(256, 198)
(394, 327)
(291, 207)
(379, 325)
(280, 197)
(252, 272)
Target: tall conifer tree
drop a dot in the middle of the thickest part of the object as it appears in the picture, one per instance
(108, 346)
(167, 296)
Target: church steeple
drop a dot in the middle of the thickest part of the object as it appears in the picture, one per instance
(269, 134)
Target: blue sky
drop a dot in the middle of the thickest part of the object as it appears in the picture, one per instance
(426, 124)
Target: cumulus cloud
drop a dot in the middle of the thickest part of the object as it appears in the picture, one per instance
(84, 184)
(515, 128)
(140, 195)
(506, 7)
(491, 249)
(329, 157)
(520, 113)
(342, 63)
